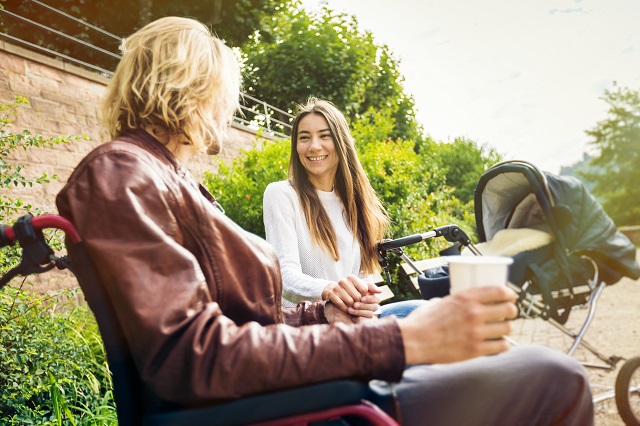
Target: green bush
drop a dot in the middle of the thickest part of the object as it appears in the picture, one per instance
(52, 363)
(239, 188)
(412, 186)
(464, 162)
(12, 174)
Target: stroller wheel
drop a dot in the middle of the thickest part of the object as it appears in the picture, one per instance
(628, 392)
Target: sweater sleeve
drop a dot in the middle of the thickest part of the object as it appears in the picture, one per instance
(280, 219)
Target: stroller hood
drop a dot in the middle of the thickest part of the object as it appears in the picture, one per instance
(591, 229)
(560, 205)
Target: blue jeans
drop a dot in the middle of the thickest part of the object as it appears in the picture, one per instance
(401, 309)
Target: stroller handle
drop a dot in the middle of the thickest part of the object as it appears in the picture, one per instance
(8, 233)
(451, 233)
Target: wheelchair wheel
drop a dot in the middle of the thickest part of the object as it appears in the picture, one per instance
(628, 392)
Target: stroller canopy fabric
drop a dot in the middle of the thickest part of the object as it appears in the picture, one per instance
(518, 195)
(591, 229)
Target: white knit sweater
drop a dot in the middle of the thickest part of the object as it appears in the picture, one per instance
(306, 268)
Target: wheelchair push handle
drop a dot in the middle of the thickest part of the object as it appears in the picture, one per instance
(8, 233)
(37, 256)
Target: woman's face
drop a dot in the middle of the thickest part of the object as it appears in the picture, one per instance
(316, 150)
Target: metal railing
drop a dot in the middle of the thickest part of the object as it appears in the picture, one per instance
(254, 114)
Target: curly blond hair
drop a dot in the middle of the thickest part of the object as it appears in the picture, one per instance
(176, 74)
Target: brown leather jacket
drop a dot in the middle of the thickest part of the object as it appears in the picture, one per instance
(198, 296)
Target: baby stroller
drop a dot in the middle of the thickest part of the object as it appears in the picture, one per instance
(565, 247)
(581, 253)
(627, 391)
(565, 251)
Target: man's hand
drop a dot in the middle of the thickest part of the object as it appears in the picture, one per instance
(458, 327)
(353, 296)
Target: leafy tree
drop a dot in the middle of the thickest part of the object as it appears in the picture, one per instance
(412, 186)
(617, 140)
(326, 55)
(464, 161)
(232, 20)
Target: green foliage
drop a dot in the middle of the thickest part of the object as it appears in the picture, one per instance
(52, 366)
(326, 55)
(617, 140)
(12, 173)
(412, 187)
(231, 20)
(239, 188)
(464, 162)
(52, 363)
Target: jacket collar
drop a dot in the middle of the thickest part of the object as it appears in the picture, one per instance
(145, 140)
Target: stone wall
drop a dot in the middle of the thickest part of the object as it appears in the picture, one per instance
(64, 100)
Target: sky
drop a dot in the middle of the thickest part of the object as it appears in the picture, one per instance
(525, 77)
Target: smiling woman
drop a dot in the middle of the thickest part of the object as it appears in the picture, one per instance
(325, 221)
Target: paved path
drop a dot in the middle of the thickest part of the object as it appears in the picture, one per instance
(615, 330)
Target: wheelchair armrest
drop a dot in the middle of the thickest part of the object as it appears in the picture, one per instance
(265, 407)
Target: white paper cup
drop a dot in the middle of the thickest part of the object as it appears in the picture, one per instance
(476, 271)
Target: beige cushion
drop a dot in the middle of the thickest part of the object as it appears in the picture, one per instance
(509, 242)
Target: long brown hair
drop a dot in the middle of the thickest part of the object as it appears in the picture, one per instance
(363, 211)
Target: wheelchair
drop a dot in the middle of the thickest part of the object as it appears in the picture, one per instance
(330, 403)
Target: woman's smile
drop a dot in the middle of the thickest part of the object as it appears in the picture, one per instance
(317, 151)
